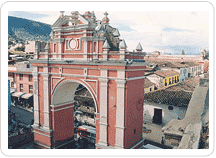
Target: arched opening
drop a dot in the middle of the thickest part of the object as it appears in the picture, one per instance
(76, 94)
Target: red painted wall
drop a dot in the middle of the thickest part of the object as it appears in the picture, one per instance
(63, 123)
(134, 97)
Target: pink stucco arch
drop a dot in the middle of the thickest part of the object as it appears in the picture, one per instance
(65, 91)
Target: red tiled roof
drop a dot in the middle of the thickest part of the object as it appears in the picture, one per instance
(167, 73)
(187, 85)
(192, 64)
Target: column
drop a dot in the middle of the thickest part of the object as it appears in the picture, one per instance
(60, 46)
(103, 108)
(120, 109)
(85, 45)
(122, 54)
(46, 99)
(36, 106)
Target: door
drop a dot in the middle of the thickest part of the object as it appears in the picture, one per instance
(157, 118)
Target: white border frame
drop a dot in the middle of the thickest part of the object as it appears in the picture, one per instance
(110, 6)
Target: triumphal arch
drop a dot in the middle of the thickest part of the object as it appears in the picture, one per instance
(87, 51)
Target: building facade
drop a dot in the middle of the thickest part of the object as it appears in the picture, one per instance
(88, 52)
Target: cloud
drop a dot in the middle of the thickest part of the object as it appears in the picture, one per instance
(170, 29)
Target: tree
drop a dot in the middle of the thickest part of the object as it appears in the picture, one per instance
(183, 53)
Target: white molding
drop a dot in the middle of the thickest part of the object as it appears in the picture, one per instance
(102, 79)
(120, 109)
(95, 93)
(103, 107)
(52, 88)
(78, 48)
(54, 110)
(94, 68)
(119, 127)
(46, 97)
(41, 134)
(62, 104)
(36, 99)
(84, 84)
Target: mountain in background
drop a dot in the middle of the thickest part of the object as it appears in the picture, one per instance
(23, 29)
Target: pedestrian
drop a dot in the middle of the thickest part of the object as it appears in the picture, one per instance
(162, 141)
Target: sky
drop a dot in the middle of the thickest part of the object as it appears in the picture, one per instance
(164, 31)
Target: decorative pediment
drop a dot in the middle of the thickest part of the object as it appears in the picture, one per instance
(60, 21)
(65, 20)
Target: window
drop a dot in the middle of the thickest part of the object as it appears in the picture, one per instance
(169, 80)
(21, 87)
(165, 82)
(21, 77)
(150, 89)
(30, 78)
(30, 89)
(173, 79)
(134, 131)
(27, 66)
(12, 84)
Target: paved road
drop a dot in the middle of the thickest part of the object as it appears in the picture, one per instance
(22, 115)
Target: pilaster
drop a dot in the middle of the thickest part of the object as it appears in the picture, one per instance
(85, 46)
(36, 103)
(46, 98)
(120, 109)
(60, 46)
(105, 54)
(122, 54)
(103, 109)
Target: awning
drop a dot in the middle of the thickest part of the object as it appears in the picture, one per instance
(17, 94)
(12, 90)
(26, 96)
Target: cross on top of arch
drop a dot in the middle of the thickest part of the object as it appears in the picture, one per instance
(106, 14)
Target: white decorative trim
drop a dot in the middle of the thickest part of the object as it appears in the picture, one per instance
(95, 93)
(119, 127)
(46, 98)
(54, 110)
(103, 107)
(52, 88)
(93, 68)
(135, 78)
(101, 123)
(120, 109)
(62, 104)
(84, 84)
(79, 43)
(36, 99)
(54, 51)
(67, 44)
(42, 134)
(102, 79)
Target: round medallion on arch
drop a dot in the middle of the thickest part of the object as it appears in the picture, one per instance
(73, 43)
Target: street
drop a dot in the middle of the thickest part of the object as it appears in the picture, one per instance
(22, 115)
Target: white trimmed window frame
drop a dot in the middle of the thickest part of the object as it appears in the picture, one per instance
(67, 44)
